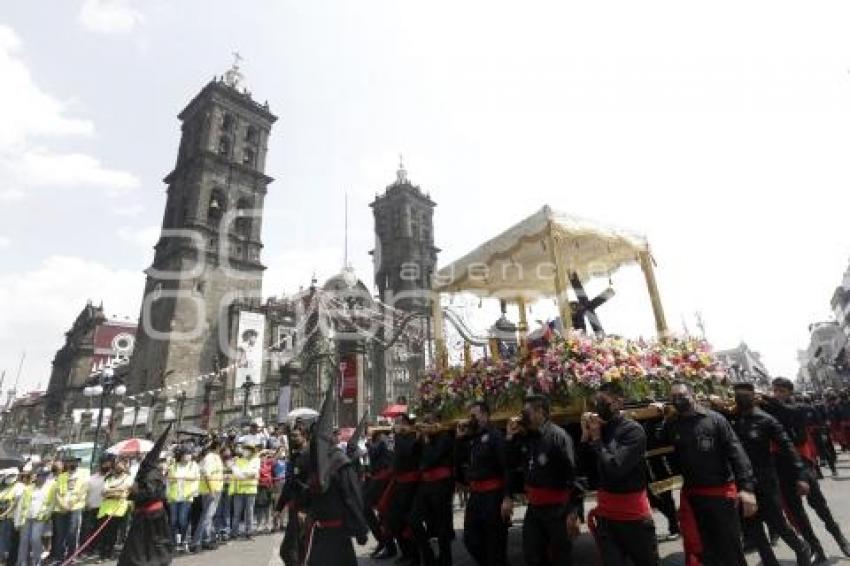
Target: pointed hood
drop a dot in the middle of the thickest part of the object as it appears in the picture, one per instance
(321, 441)
(152, 458)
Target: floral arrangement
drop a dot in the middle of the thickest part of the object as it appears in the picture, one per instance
(570, 368)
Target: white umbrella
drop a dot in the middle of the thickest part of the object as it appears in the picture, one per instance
(302, 413)
(131, 446)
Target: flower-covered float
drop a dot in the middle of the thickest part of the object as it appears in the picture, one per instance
(568, 369)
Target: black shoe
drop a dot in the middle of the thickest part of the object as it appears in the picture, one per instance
(845, 548)
(820, 559)
(804, 556)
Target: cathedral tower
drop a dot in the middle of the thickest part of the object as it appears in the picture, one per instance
(404, 257)
(208, 253)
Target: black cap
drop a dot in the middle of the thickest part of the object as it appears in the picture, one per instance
(744, 386)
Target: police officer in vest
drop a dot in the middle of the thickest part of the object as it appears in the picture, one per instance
(246, 480)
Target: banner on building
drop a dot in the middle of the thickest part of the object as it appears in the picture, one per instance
(78, 414)
(141, 417)
(348, 383)
(249, 347)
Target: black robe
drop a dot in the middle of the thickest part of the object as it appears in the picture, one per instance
(341, 503)
(149, 539)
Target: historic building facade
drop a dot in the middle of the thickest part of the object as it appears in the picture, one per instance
(405, 260)
(208, 255)
(93, 340)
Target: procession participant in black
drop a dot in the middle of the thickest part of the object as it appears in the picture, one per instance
(835, 416)
(335, 503)
(481, 451)
(622, 520)
(294, 495)
(792, 419)
(717, 476)
(376, 486)
(551, 519)
(432, 510)
(406, 477)
(820, 434)
(663, 501)
(759, 432)
(148, 542)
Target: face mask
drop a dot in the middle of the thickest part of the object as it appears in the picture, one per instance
(474, 425)
(744, 402)
(682, 404)
(247, 453)
(605, 411)
(525, 420)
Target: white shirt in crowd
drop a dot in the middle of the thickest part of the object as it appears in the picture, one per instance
(94, 497)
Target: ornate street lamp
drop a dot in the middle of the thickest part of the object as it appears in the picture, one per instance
(104, 383)
(247, 386)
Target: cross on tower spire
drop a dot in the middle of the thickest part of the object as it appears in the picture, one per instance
(401, 174)
(234, 77)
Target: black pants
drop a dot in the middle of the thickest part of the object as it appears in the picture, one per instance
(621, 541)
(109, 537)
(770, 514)
(664, 502)
(397, 517)
(545, 541)
(432, 517)
(372, 492)
(816, 500)
(826, 450)
(485, 533)
(720, 530)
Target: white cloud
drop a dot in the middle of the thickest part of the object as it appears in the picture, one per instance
(128, 210)
(48, 169)
(5, 242)
(41, 304)
(109, 16)
(12, 195)
(143, 237)
(30, 117)
(25, 110)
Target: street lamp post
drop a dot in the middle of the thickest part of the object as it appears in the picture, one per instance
(105, 384)
(181, 402)
(135, 419)
(247, 386)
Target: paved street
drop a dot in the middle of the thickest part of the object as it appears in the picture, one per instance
(263, 550)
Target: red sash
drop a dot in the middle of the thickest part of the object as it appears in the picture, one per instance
(688, 522)
(328, 524)
(384, 502)
(409, 477)
(382, 475)
(541, 496)
(151, 507)
(483, 486)
(622, 506)
(437, 474)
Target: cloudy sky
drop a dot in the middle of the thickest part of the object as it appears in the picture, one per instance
(721, 130)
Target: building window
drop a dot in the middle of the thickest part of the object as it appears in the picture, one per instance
(227, 122)
(224, 146)
(248, 157)
(200, 286)
(216, 209)
(252, 135)
(243, 221)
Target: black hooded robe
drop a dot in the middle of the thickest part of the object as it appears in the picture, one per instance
(336, 515)
(148, 542)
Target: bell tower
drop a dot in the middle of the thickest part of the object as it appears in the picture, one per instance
(404, 257)
(208, 253)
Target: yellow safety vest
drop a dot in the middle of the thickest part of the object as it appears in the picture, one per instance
(243, 466)
(71, 491)
(212, 476)
(115, 506)
(46, 507)
(182, 482)
(8, 498)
